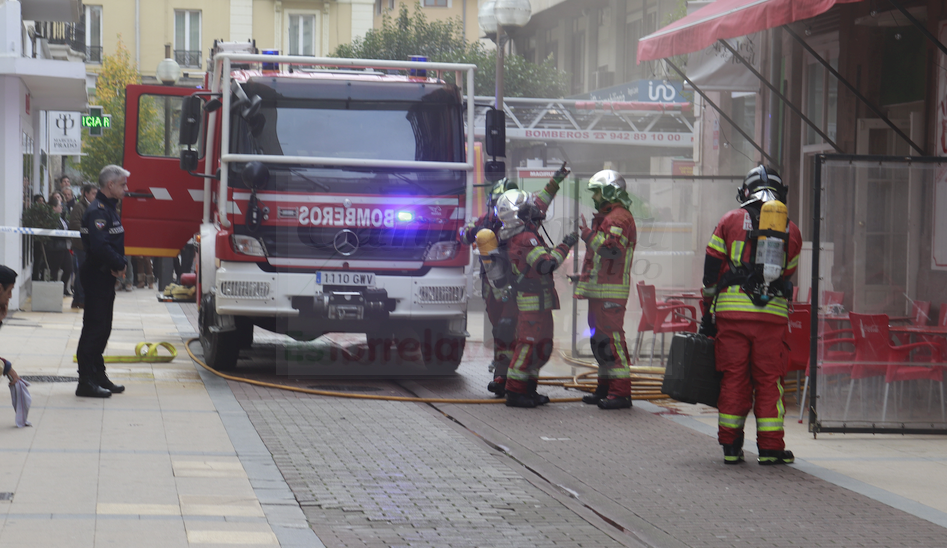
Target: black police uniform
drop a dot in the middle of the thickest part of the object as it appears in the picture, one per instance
(103, 238)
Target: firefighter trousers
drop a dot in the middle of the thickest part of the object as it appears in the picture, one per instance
(534, 332)
(607, 324)
(751, 356)
(502, 316)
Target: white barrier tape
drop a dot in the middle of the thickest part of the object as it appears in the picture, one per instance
(40, 231)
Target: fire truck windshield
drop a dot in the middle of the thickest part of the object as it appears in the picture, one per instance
(428, 127)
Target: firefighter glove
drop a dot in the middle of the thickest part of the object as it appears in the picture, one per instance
(561, 173)
(707, 326)
(571, 239)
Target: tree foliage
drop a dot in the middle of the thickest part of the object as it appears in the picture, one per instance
(442, 41)
(118, 71)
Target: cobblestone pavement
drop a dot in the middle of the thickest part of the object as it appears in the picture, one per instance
(370, 473)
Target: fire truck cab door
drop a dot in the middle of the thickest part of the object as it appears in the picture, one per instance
(163, 205)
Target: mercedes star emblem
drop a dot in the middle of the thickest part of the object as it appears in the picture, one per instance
(346, 242)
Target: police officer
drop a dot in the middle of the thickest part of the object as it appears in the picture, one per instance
(746, 303)
(532, 266)
(606, 282)
(103, 238)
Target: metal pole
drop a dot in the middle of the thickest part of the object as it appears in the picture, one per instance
(776, 92)
(499, 79)
(723, 114)
(814, 284)
(853, 89)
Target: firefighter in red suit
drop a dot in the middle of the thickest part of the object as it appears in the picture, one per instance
(747, 313)
(501, 302)
(606, 282)
(532, 265)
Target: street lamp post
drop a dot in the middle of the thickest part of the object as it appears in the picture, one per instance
(498, 18)
(168, 73)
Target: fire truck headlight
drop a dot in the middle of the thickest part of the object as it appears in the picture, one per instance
(247, 245)
(405, 216)
(441, 251)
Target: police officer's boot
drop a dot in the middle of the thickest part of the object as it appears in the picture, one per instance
(88, 389)
(540, 399)
(516, 399)
(733, 453)
(601, 391)
(103, 380)
(774, 456)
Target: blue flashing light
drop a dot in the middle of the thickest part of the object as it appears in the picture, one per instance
(271, 66)
(418, 72)
(405, 216)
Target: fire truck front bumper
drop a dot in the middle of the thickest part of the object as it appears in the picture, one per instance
(243, 289)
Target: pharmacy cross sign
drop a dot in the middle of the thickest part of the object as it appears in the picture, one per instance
(96, 121)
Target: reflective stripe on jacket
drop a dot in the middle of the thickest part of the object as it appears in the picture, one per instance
(609, 251)
(728, 243)
(533, 264)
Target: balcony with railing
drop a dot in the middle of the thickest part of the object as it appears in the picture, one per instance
(66, 40)
(188, 58)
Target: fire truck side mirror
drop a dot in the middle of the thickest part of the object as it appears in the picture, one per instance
(190, 120)
(495, 139)
(188, 160)
(255, 175)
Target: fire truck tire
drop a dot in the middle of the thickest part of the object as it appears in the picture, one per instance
(244, 332)
(442, 353)
(221, 348)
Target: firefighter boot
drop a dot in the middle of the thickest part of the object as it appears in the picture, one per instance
(601, 390)
(540, 399)
(733, 453)
(517, 399)
(775, 456)
(615, 402)
(498, 386)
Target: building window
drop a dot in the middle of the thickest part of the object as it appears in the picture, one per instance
(302, 34)
(821, 97)
(435, 3)
(93, 34)
(187, 38)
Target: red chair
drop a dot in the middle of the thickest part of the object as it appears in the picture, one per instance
(832, 297)
(920, 313)
(662, 318)
(798, 337)
(873, 347)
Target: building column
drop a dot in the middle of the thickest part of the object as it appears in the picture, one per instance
(11, 175)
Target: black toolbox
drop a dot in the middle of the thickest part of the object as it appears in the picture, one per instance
(690, 376)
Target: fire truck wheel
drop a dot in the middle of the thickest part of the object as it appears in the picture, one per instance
(221, 348)
(244, 332)
(442, 353)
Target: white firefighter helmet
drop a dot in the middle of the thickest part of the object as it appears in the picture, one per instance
(610, 182)
(762, 184)
(507, 210)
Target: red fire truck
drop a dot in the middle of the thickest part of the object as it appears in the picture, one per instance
(325, 196)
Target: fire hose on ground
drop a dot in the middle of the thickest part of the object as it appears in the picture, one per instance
(643, 386)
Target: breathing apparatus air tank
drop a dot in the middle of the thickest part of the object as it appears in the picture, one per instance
(490, 257)
(770, 245)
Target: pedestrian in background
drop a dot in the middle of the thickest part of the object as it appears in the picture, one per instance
(606, 282)
(75, 223)
(7, 282)
(748, 320)
(57, 251)
(103, 238)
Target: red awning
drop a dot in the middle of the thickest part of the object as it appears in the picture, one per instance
(727, 19)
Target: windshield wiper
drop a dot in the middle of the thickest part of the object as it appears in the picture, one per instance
(323, 186)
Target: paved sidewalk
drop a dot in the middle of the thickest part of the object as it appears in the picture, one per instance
(154, 466)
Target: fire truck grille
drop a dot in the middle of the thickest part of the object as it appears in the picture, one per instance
(394, 244)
